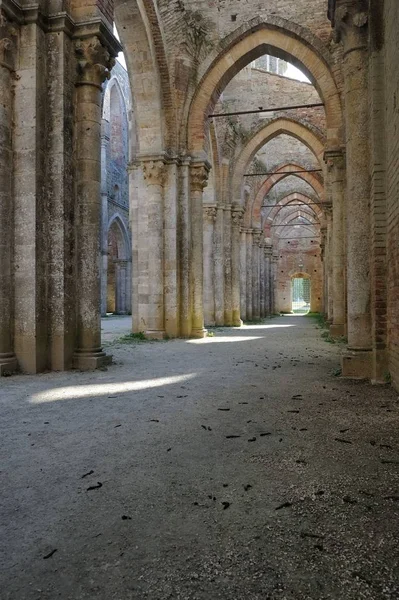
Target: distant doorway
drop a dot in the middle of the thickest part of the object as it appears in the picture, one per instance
(300, 288)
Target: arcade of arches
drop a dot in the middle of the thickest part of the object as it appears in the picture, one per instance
(207, 224)
(194, 164)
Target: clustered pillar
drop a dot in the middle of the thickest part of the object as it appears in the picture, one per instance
(351, 29)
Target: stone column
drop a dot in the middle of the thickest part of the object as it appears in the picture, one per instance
(336, 169)
(249, 274)
(154, 174)
(273, 295)
(198, 179)
(228, 304)
(93, 62)
(262, 305)
(323, 237)
(351, 28)
(209, 265)
(268, 284)
(219, 267)
(243, 275)
(170, 240)
(237, 217)
(8, 361)
(255, 274)
(184, 245)
(329, 255)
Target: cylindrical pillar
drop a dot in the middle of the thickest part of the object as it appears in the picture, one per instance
(268, 288)
(219, 267)
(330, 303)
(255, 274)
(236, 266)
(209, 265)
(273, 281)
(249, 274)
(198, 178)
(93, 63)
(262, 307)
(336, 168)
(228, 300)
(184, 245)
(243, 275)
(8, 361)
(351, 28)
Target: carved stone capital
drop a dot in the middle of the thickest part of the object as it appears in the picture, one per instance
(237, 217)
(350, 24)
(328, 210)
(257, 237)
(334, 159)
(154, 171)
(210, 213)
(199, 176)
(8, 43)
(94, 62)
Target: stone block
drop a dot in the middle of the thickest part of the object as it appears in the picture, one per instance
(357, 364)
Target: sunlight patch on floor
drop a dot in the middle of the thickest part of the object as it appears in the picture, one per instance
(101, 389)
(230, 338)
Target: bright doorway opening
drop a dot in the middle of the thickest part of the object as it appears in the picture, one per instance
(300, 294)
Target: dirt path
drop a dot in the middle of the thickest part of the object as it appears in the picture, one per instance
(235, 467)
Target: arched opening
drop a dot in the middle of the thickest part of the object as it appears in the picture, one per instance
(118, 272)
(300, 293)
(116, 237)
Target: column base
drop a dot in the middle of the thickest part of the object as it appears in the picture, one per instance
(91, 361)
(8, 365)
(357, 364)
(238, 323)
(337, 330)
(155, 334)
(199, 333)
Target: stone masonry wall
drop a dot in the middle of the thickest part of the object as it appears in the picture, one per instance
(391, 21)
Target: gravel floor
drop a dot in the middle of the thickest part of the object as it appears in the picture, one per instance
(235, 467)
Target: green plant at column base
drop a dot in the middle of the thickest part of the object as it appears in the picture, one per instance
(327, 337)
(133, 337)
(387, 377)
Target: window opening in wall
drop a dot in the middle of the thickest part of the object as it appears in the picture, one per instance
(300, 295)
